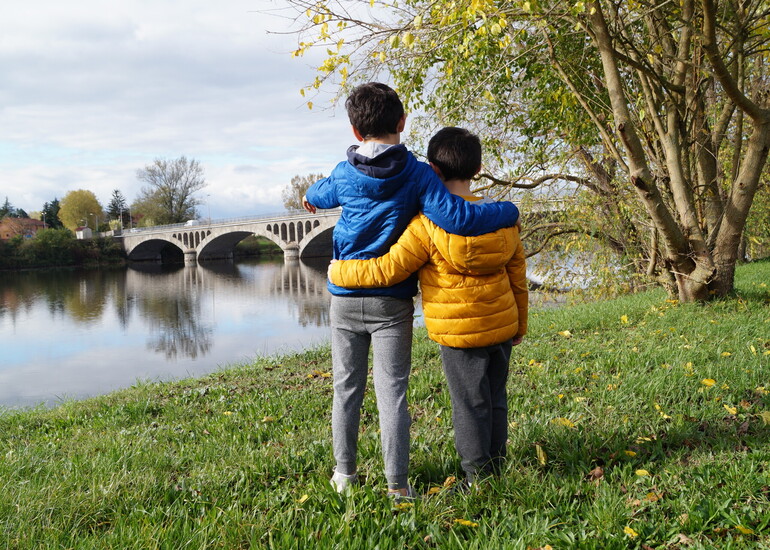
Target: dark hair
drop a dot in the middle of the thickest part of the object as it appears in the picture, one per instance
(456, 152)
(374, 110)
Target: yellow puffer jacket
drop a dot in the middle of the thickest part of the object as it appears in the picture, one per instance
(474, 289)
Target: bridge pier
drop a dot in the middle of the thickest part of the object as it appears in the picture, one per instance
(190, 256)
(291, 252)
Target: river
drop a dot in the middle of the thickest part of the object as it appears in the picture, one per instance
(75, 334)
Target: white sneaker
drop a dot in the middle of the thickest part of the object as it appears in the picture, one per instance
(342, 483)
(410, 495)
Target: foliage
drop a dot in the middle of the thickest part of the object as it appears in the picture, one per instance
(117, 209)
(634, 423)
(80, 208)
(50, 214)
(7, 209)
(593, 100)
(169, 194)
(293, 193)
(58, 248)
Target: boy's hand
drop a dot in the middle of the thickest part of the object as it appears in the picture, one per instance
(517, 340)
(329, 270)
(309, 207)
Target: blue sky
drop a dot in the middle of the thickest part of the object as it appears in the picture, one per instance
(90, 92)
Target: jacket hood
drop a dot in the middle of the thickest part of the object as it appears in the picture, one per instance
(381, 176)
(479, 255)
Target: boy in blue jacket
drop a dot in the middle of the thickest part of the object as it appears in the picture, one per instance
(381, 187)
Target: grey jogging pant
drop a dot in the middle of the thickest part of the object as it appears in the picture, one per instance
(386, 324)
(476, 378)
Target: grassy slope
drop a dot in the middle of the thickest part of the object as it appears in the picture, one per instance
(642, 426)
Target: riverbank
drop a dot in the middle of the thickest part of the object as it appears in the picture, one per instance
(637, 421)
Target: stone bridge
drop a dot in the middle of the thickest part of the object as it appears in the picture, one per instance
(298, 233)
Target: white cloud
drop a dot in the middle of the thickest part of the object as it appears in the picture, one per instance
(93, 91)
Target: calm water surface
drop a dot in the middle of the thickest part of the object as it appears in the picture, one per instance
(76, 334)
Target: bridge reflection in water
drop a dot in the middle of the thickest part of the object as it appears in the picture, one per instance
(173, 299)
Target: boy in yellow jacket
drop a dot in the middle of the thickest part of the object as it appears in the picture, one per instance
(475, 300)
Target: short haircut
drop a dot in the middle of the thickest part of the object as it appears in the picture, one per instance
(456, 152)
(374, 109)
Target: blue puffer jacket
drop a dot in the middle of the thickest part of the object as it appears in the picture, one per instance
(379, 196)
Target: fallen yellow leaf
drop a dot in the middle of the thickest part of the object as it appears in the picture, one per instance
(765, 415)
(731, 410)
(541, 456)
(566, 334)
(566, 422)
(303, 498)
(624, 319)
(744, 530)
(630, 532)
(466, 523)
(642, 473)
(708, 382)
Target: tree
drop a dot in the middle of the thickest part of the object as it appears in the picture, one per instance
(169, 195)
(80, 208)
(293, 193)
(117, 209)
(7, 210)
(50, 214)
(656, 115)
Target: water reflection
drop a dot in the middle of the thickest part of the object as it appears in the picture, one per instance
(62, 331)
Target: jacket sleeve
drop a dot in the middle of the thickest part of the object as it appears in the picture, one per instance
(407, 255)
(323, 193)
(517, 274)
(455, 215)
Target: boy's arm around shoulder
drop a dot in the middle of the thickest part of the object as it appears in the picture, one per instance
(407, 255)
(455, 215)
(517, 275)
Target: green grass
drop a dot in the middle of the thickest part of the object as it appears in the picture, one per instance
(635, 423)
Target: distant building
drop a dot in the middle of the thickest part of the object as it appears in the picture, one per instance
(84, 233)
(26, 227)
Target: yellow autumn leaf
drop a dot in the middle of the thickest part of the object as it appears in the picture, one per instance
(227, 413)
(566, 422)
(765, 416)
(744, 530)
(434, 490)
(303, 498)
(726, 354)
(708, 382)
(542, 458)
(565, 333)
(767, 352)
(630, 453)
(753, 350)
(642, 473)
(630, 532)
(466, 523)
(403, 506)
(731, 410)
(624, 319)
(267, 419)
(310, 105)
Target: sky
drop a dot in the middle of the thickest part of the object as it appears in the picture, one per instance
(92, 91)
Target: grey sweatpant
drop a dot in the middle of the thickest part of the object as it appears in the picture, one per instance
(476, 378)
(386, 324)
